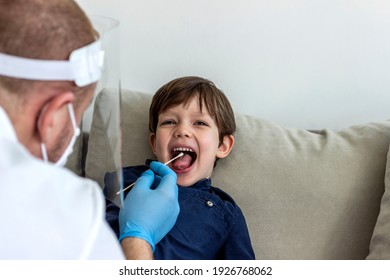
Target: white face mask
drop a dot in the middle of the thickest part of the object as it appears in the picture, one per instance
(69, 149)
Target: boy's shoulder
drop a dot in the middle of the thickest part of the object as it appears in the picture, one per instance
(228, 202)
(224, 196)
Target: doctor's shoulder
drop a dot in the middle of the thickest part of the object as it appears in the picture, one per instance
(87, 198)
(52, 213)
(80, 202)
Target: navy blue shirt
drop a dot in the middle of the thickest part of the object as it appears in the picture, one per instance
(210, 224)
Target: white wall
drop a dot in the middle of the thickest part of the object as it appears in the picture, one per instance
(301, 63)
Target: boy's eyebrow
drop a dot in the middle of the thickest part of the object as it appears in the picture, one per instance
(165, 114)
(195, 114)
(173, 111)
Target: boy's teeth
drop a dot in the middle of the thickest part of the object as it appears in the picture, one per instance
(182, 150)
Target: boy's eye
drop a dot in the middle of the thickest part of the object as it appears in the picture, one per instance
(200, 123)
(168, 122)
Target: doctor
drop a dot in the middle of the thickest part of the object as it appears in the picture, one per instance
(47, 212)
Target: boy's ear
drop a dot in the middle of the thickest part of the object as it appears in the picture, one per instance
(226, 146)
(152, 142)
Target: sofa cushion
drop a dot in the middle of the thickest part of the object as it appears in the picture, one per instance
(380, 242)
(304, 195)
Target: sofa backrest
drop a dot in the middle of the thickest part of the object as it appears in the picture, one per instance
(304, 195)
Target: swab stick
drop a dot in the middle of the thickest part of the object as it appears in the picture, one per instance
(168, 162)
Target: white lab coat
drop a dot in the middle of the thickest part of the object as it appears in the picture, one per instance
(47, 212)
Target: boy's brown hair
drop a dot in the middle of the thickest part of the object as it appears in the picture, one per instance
(182, 91)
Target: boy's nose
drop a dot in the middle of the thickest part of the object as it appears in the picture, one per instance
(183, 131)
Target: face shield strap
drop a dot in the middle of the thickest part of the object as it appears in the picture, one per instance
(84, 66)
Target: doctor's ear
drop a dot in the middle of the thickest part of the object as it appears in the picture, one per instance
(53, 116)
(226, 146)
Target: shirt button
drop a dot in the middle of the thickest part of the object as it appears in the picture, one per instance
(209, 203)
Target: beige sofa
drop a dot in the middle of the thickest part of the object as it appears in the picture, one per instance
(305, 195)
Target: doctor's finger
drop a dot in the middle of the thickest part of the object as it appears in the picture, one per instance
(161, 169)
(145, 181)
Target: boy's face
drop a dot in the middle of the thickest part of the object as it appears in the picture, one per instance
(187, 129)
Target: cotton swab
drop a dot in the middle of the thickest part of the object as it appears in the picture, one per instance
(168, 162)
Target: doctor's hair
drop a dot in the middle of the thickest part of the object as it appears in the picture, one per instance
(182, 91)
(42, 29)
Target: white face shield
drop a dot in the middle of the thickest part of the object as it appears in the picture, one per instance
(96, 62)
(105, 114)
(84, 67)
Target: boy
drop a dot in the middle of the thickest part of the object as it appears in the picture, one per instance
(191, 115)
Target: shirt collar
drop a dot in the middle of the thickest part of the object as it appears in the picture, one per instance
(203, 184)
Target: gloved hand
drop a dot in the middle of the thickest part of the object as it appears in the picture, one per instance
(148, 213)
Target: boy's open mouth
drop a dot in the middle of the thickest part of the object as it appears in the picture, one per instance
(185, 161)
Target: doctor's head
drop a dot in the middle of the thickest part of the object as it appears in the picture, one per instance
(38, 108)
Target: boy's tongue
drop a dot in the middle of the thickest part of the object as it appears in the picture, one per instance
(183, 162)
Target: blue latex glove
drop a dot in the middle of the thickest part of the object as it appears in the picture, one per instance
(148, 213)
